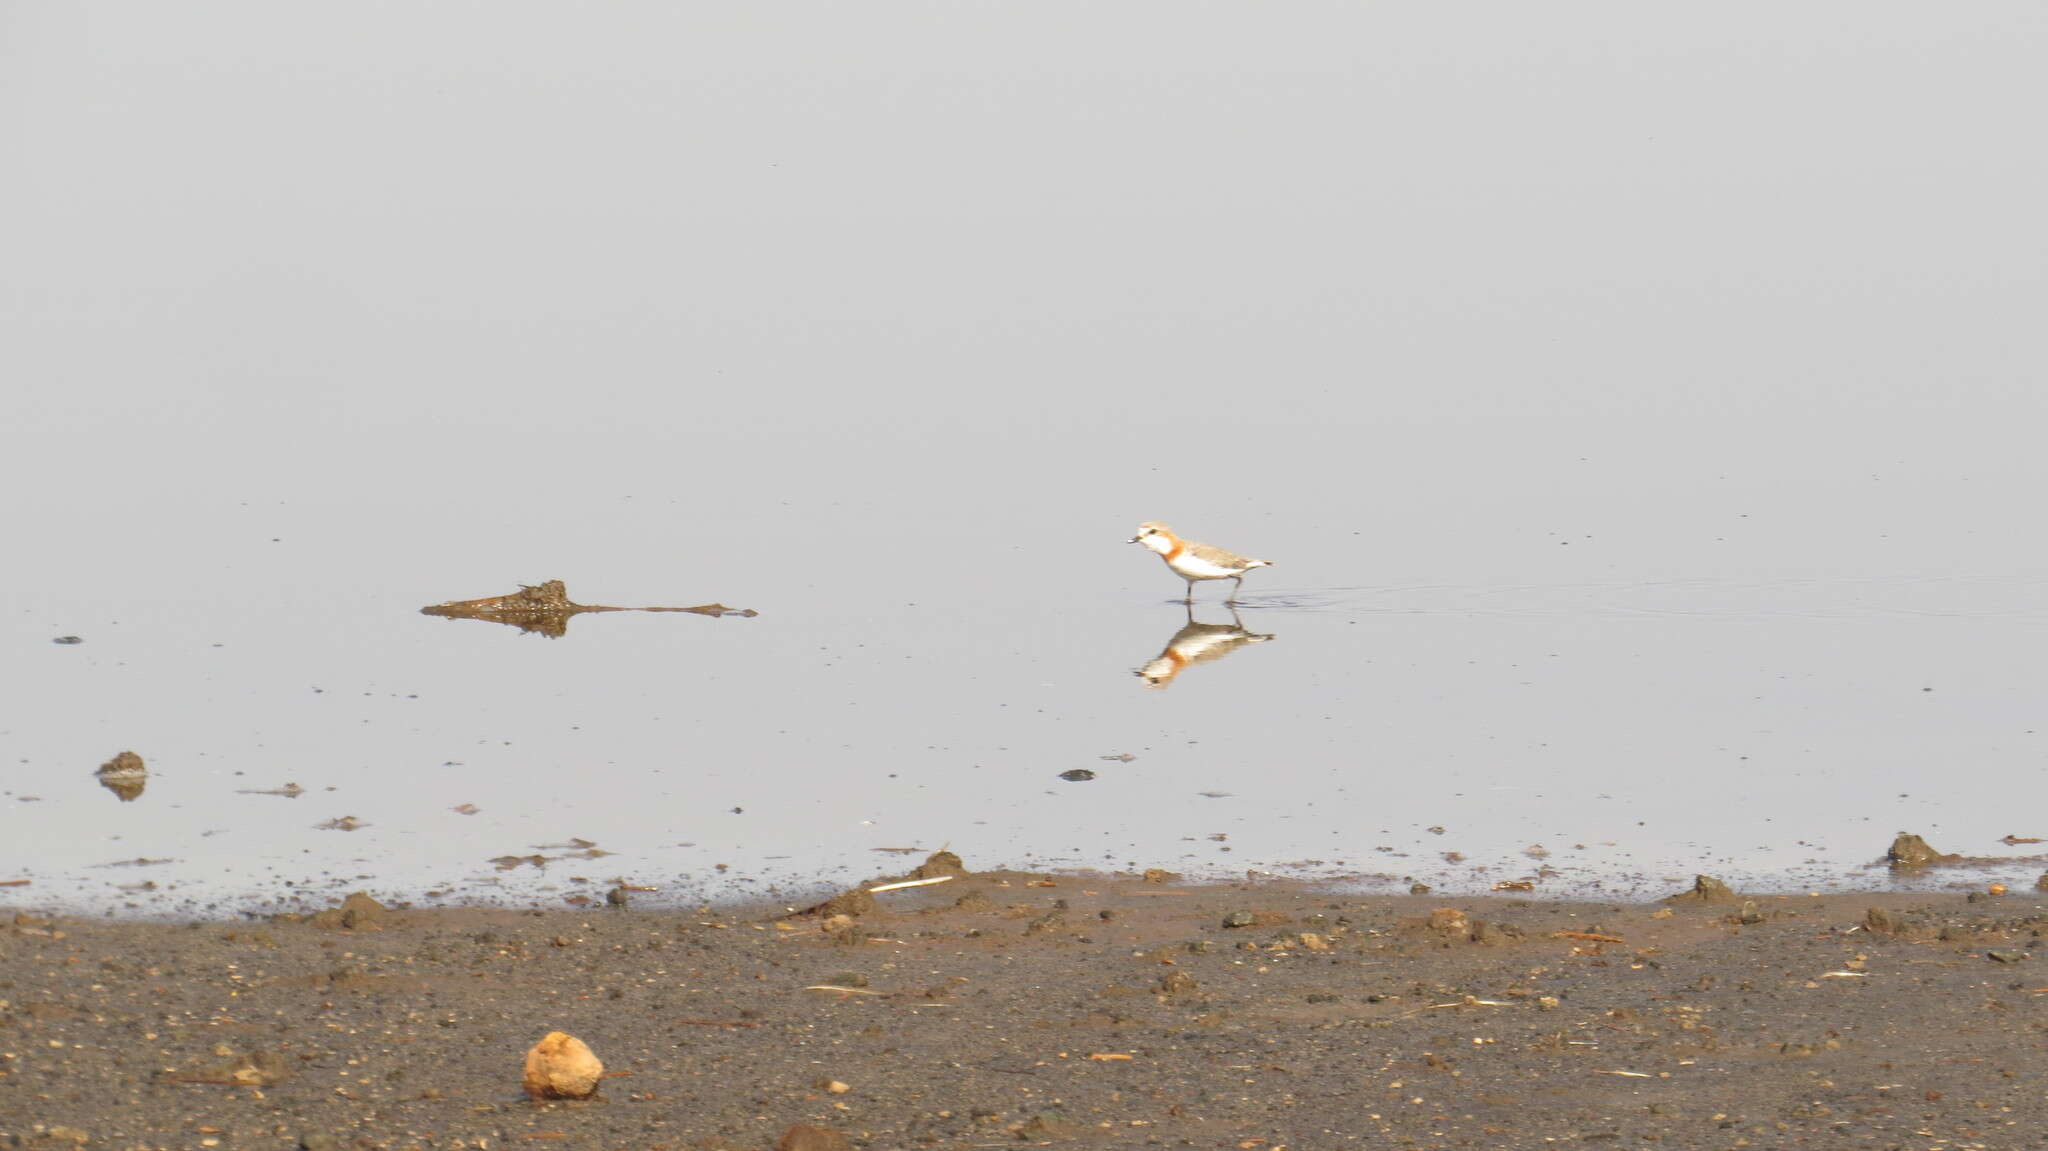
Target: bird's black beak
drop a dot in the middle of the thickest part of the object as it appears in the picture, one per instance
(1134, 539)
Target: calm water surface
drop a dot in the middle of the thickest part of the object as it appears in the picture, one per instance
(1645, 428)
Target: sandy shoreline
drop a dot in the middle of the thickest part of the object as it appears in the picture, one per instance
(1015, 1009)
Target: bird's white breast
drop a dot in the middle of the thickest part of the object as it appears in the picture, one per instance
(1195, 567)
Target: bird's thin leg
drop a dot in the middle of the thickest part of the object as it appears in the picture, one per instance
(1239, 581)
(1190, 601)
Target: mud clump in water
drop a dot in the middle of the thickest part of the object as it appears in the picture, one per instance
(125, 775)
(1909, 851)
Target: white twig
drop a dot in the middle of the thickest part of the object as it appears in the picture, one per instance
(909, 883)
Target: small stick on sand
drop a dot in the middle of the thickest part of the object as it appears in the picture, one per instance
(910, 883)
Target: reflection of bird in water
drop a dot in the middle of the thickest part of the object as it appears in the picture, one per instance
(1197, 643)
(1192, 561)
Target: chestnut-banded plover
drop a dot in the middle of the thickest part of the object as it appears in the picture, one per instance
(1192, 561)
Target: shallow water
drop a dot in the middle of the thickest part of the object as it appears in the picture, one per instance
(1649, 470)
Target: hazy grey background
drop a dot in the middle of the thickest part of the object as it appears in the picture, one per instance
(1643, 403)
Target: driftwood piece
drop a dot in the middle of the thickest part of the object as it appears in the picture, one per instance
(547, 609)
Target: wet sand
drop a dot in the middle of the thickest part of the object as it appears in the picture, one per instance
(1009, 1009)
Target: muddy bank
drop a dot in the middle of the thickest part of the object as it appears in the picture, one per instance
(1008, 1009)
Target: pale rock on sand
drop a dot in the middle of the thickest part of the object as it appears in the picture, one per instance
(562, 1066)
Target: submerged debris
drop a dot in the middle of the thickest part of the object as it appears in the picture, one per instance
(576, 848)
(289, 791)
(547, 609)
(124, 775)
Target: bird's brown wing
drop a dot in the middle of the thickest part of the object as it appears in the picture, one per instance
(1218, 556)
